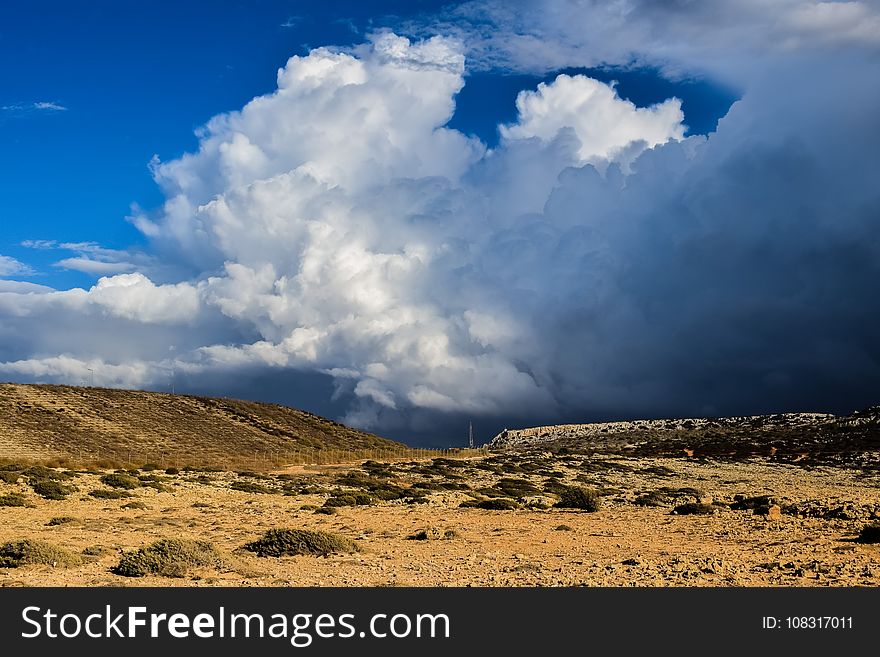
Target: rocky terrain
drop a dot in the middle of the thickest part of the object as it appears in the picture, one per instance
(493, 521)
(806, 438)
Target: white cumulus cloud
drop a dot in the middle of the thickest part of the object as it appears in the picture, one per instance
(607, 126)
(595, 261)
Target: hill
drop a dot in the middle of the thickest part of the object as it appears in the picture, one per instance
(806, 438)
(134, 426)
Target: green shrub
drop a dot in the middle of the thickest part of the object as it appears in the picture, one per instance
(869, 534)
(575, 497)
(554, 486)
(252, 475)
(516, 487)
(250, 487)
(169, 557)
(741, 502)
(61, 520)
(172, 471)
(653, 498)
(488, 491)
(104, 494)
(696, 508)
(291, 542)
(28, 552)
(495, 504)
(117, 480)
(154, 481)
(51, 489)
(9, 476)
(668, 496)
(326, 510)
(149, 467)
(349, 499)
(13, 499)
(42, 472)
(377, 488)
(432, 533)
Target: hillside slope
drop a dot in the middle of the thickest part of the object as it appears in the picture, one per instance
(48, 421)
(806, 438)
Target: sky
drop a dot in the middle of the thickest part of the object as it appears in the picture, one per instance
(412, 215)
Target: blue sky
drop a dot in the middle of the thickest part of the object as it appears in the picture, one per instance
(138, 78)
(411, 215)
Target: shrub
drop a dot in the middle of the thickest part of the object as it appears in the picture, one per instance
(13, 499)
(149, 467)
(869, 534)
(9, 476)
(249, 487)
(554, 486)
(160, 488)
(488, 491)
(104, 494)
(349, 499)
(51, 489)
(172, 471)
(326, 510)
(42, 472)
(117, 480)
(170, 557)
(377, 488)
(28, 552)
(291, 542)
(741, 502)
(252, 474)
(495, 504)
(669, 496)
(516, 487)
(695, 508)
(575, 497)
(652, 499)
(154, 481)
(61, 520)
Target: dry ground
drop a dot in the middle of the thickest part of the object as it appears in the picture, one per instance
(622, 544)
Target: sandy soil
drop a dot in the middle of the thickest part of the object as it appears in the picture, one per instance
(621, 545)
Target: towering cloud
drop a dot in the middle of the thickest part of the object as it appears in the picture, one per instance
(596, 262)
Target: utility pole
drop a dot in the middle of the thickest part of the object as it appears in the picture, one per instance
(173, 362)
